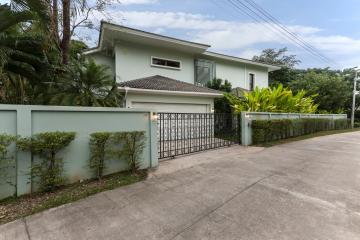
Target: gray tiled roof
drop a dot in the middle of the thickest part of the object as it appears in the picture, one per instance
(158, 82)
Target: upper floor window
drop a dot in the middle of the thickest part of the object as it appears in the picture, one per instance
(251, 81)
(165, 63)
(205, 71)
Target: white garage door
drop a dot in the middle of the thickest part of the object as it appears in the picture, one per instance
(173, 107)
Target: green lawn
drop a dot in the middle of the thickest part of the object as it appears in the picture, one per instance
(318, 134)
(14, 208)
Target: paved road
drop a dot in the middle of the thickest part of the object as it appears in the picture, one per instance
(303, 190)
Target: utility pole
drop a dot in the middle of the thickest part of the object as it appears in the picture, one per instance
(355, 92)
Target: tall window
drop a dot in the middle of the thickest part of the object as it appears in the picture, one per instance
(251, 81)
(205, 71)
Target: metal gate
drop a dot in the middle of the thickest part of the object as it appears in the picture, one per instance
(184, 133)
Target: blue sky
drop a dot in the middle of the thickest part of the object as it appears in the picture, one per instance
(332, 26)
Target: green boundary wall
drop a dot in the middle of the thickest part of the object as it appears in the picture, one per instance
(26, 120)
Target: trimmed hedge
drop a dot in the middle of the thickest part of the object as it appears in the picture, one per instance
(270, 130)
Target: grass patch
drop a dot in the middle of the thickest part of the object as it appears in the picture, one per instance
(304, 137)
(18, 207)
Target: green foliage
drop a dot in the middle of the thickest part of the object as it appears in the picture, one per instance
(88, 84)
(21, 46)
(105, 145)
(279, 57)
(7, 161)
(219, 84)
(270, 130)
(50, 167)
(221, 105)
(129, 145)
(276, 99)
(332, 91)
(98, 145)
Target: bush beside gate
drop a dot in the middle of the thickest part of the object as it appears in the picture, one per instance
(270, 130)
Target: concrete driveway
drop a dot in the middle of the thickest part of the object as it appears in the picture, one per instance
(302, 190)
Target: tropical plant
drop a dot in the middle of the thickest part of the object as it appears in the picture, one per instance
(50, 167)
(21, 45)
(98, 145)
(275, 99)
(88, 84)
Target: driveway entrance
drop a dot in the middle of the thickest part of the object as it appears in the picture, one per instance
(184, 133)
(303, 190)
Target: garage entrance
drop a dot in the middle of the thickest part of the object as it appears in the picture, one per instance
(184, 133)
(173, 107)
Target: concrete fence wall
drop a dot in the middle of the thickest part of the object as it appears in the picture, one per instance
(248, 117)
(26, 121)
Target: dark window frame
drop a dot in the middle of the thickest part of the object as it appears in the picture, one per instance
(167, 63)
(251, 81)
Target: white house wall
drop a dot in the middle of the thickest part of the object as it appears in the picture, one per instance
(233, 72)
(238, 74)
(261, 76)
(134, 61)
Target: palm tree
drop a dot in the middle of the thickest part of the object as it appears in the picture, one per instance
(88, 84)
(21, 48)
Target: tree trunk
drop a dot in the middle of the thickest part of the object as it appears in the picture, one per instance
(55, 20)
(65, 43)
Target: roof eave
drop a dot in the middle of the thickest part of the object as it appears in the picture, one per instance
(172, 93)
(241, 60)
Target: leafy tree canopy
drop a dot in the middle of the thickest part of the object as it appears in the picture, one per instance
(332, 91)
(281, 58)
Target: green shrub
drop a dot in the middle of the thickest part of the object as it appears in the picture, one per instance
(98, 145)
(270, 130)
(7, 161)
(129, 145)
(46, 145)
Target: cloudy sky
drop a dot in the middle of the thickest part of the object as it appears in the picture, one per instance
(330, 26)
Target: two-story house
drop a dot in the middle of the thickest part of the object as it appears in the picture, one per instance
(168, 74)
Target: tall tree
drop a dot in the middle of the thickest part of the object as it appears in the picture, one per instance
(68, 15)
(332, 90)
(280, 58)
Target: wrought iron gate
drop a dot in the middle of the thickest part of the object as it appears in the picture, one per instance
(184, 133)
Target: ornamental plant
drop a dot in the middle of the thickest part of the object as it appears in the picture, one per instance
(129, 145)
(98, 146)
(275, 99)
(49, 170)
(7, 163)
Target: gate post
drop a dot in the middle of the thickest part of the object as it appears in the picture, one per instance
(245, 129)
(239, 128)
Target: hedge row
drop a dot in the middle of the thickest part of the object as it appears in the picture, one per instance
(270, 130)
(47, 171)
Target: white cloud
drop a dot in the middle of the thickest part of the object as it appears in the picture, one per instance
(130, 2)
(236, 37)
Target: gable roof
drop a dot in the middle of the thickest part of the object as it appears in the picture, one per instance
(110, 33)
(161, 83)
